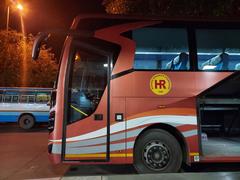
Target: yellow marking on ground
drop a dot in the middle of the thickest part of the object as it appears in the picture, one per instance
(78, 110)
(97, 155)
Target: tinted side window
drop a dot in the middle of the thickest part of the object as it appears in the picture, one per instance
(161, 49)
(218, 50)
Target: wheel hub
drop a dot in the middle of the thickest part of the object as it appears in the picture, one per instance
(26, 121)
(156, 155)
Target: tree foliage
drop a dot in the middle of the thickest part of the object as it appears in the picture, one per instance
(16, 62)
(174, 8)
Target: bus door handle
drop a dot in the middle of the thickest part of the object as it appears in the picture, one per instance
(98, 117)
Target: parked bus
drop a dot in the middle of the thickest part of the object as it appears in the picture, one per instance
(26, 106)
(155, 93)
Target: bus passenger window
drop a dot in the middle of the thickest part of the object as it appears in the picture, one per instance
(15, 99)
(8, 98)
(23, 99)
(31, 99)
(180, 62)
(42, 98)
(218, 50)
(161, 49)
(1, 97)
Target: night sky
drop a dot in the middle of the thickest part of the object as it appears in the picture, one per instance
(43, 15)
(49, 14)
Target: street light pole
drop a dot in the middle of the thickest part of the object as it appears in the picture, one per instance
(24, 62)
(8, 12)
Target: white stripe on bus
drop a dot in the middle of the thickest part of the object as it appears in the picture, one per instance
(77, 148)
(173, 120)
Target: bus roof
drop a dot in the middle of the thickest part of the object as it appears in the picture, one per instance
(157, 18)
(92, 22)
(25, 89)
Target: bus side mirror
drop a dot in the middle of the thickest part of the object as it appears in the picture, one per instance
(41, 37)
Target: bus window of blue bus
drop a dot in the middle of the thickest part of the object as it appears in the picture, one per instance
(15, 99)
(23, 99)
(31, 99)
(42, 97)
(7, 98)
(25, 106)
(27, 96)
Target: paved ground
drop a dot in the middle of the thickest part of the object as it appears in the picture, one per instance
(23, 155)
(172, 176)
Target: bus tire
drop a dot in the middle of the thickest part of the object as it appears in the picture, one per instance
(26, 121)
(157, 151)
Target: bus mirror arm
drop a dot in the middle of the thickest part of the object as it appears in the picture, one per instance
(41, 37)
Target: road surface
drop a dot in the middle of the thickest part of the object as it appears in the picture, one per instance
(23, 155)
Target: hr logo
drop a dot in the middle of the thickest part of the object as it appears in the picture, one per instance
(160, 84)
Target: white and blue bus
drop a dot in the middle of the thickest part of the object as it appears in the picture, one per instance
(26, 106)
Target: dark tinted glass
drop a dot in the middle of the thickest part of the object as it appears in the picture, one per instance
(218, 50)
(161, 49)
(89, 80)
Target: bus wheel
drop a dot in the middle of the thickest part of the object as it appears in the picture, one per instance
(26, 121)
(157, 151)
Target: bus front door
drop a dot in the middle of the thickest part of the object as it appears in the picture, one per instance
(87, 123)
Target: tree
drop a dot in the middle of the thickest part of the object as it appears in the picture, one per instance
(16, 65)
(174, 8)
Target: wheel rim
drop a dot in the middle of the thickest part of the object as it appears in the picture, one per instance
(156, 155)
(26, 121)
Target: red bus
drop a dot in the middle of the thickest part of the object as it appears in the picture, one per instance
(156, 93)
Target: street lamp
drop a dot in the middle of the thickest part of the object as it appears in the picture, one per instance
(20, 8)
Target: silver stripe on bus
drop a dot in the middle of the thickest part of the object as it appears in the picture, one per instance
(102, 148)
(133, 123)
(102, 140)
(190, 133)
